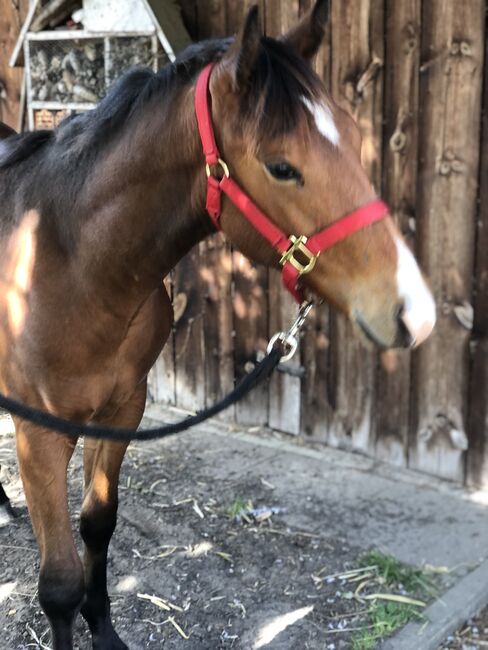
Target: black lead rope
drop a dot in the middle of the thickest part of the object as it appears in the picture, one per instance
(260, 373)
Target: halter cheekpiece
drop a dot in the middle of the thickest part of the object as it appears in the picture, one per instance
(309, 248)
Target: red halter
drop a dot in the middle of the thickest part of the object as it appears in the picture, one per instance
(309, 247)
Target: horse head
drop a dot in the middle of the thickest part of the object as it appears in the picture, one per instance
(297, 154)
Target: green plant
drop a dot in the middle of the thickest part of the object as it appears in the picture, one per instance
(394, 573)
(364, 640)
(385, 618)
(237, 507)
(387, 582)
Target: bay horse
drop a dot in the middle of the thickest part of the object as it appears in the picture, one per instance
(96, 213)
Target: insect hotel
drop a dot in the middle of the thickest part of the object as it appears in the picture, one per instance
(69, 69)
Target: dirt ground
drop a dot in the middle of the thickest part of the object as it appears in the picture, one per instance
(183, 572)
(181, 545)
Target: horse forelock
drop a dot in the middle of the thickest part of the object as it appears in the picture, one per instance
(273, 103)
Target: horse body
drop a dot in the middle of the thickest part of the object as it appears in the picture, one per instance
(92, 218)
(83, 317)
(92, 268)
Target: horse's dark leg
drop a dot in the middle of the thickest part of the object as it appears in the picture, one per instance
(97, 524)
(6, 511)
(43, 461)
(98, 519)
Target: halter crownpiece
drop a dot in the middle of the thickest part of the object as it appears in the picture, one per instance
(309, 248)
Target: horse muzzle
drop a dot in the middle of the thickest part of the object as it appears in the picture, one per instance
(409, 324)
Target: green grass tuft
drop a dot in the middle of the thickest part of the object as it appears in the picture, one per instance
(385, 619)
(365, 640)
(393, 577)
(394, 573)
(237, 507)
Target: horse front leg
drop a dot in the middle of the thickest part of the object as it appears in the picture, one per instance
(98, 519)
(43, 461)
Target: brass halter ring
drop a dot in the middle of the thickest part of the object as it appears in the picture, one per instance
(220, 163)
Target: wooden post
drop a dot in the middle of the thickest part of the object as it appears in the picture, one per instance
(216, 270)
(323, 61)
(189, 332)
(250, 301)
(11, 16)
(161, 381)
(219, 344)
(190, 18)
(452, 63)
(402, 54)
(315, 411)
(162, 378)
(195, 367)
(315, 388)
(168, 15)
(250, 286)
(285, 389)
(477, 467)
(357, 83)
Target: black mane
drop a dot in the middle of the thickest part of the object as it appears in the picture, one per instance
(16, 148)
(128, 94)
(272, 103)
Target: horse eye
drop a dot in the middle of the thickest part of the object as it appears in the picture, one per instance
(283, 171)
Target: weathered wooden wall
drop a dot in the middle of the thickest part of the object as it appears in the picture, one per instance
(413, 74)
(12, 13)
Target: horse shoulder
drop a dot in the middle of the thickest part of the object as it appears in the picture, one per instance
(148, 332)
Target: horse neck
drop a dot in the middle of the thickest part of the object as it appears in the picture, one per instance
(147, 200)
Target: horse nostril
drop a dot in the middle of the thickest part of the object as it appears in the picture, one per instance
(399, 310)
(404, 337)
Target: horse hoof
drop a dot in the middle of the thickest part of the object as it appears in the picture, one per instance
(6, 514)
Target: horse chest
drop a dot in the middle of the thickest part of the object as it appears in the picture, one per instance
(74, 372)
(127, 366)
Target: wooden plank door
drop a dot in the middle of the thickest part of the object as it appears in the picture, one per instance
(285, 388)
(477, 466)
(402, 56)
(450, 86)
(357, 84)
(12, 15)
(250, 286)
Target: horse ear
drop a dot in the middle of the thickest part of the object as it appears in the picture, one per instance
(308, 35)
(245, 49)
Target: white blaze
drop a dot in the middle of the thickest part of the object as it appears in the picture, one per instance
(419, 312)
(323, 119)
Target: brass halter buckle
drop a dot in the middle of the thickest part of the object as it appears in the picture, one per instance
(299, 244)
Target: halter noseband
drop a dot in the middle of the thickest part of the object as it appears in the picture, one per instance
(287, 246)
